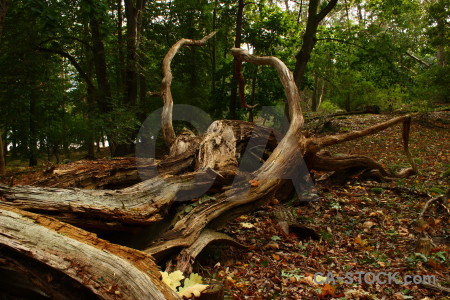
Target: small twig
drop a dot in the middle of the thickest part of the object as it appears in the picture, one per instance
(438, 198)
(435, 287)
(215, 172)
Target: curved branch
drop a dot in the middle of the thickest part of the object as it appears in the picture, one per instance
(74, 63)
(326, 10)
(286, 77)
(241, 81)
(341, 138)
(281, 163)
(315, 144)
(166, 94)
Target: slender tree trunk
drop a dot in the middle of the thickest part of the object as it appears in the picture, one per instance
(133, 12)
(2, 156)
(120, 45)
(32, 144)
(309, 38)
(300, 12)
(315, 94)
(3, 8)
(252, 98)
(321, 93)
(237, 44)
(99, 57)
(90, 118)
(213, 52)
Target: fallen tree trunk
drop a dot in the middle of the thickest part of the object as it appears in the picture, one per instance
(196, 165)
(63, 262)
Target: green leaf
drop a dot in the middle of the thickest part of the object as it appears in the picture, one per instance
(275, 238)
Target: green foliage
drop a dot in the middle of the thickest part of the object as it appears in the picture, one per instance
(329, 107)
(394, 55)
(376, 190)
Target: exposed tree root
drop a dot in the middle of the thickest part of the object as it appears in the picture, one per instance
(187, 256)
(196, 165)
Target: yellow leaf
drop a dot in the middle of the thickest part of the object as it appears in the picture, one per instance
(247, 225)
(173, 279)
(194, 290)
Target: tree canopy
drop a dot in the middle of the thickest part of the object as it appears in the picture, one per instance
(75, 74)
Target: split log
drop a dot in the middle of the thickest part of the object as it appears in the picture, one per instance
(114, 173)
(63, 262)
(146, 202)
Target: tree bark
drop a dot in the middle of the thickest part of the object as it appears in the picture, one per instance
(2, 156)
(207, 164)
(99, 57)
(236, 62)
(133, 12)
(3, 8)
(32, 141)
(166, 93)
(309, 37)
(53, 254)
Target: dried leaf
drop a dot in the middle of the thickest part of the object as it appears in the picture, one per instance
(173, 279)
(327, 290)
(194, 290)
(253, 182)
(368, 224)
(247, 225)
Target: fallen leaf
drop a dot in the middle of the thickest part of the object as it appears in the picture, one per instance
(193, 290)
(247, 225)
(327, 290)
(253, 182)
(368, 224)
(272, 246)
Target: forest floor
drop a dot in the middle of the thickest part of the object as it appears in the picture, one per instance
(361, 226)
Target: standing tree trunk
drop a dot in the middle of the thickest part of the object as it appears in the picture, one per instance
(309, 38)
(120, 46)
(2, 156)
(315, 94)
(237, 44)
(3, 8)
(99, 58)
(133, 12)
(32, 140)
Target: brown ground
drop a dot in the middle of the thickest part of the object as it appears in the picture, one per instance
(363, 226)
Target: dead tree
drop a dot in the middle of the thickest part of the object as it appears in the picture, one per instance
(209, 164)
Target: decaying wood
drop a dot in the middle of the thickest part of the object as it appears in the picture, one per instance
(210, 163)
(187, 256)
(166, 117)
(106, 270)
(112, 173)
(442, 198)
(241, 83)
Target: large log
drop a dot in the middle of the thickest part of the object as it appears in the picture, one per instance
(64, 262)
